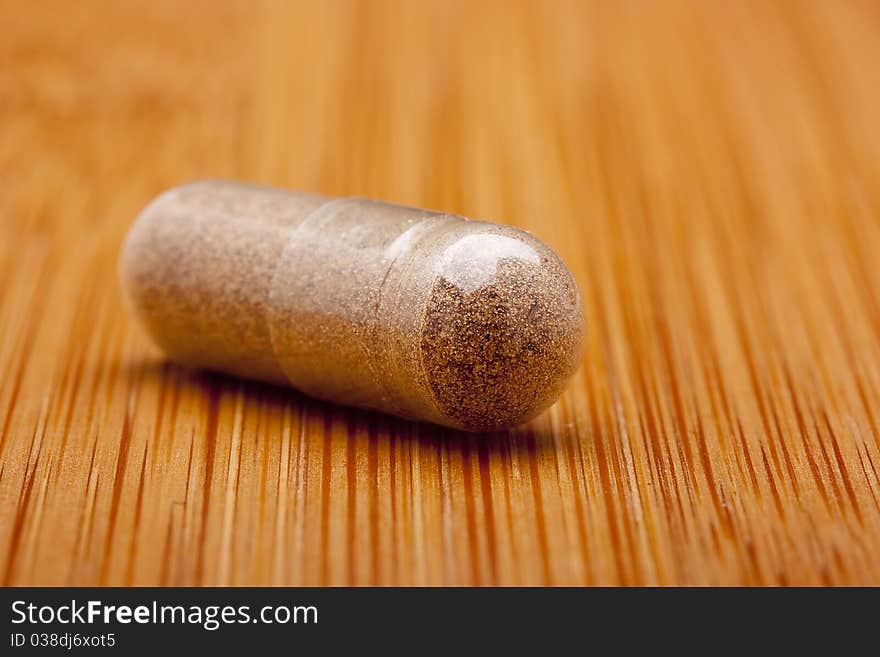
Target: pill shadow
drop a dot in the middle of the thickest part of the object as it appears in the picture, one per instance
(217, 388)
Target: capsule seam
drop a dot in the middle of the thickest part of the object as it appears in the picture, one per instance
(270, 325)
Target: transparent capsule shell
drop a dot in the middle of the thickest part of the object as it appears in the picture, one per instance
(421, 314)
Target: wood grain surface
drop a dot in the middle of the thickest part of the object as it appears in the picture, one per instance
(710, 171)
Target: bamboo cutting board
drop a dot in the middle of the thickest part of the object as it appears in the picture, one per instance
(710, 171)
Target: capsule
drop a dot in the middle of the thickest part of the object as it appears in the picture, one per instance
(421, 314)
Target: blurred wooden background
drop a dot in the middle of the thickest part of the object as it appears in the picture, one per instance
(710, 171)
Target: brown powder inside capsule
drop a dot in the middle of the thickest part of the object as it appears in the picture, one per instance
(503, 350)
(429, 316)
(198, 267)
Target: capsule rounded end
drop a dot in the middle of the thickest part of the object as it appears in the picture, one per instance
(503, 328)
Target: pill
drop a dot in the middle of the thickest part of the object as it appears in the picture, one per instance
(421, 314)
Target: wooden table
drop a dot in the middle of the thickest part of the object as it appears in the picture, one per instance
(710, 171)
